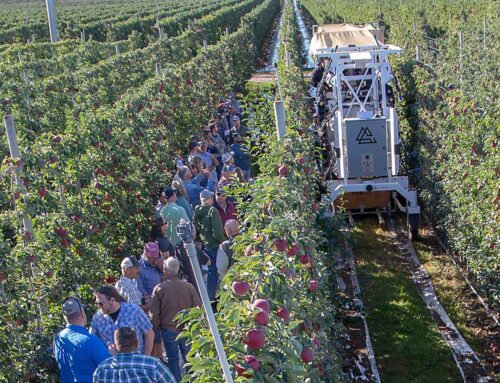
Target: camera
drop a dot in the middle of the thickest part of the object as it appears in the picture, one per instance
(185, 231)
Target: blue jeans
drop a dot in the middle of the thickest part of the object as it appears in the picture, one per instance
(213, 275)
(172, 347)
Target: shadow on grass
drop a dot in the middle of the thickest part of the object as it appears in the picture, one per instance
(406, 341)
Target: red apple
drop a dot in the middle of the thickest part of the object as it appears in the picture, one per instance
(262, 304)
(307, 355)
(61, 232)
(249, 250)
(293, 250)
(97, 185)
(241, 371)
(57, 139)
(253, 362)
(315, 207)
(240, 288)
(110, 280)
(283, 170)
(281, 244)
(313, 285)
(17, 195)
(53, 159)
(317, 326)
(76, 218)
(64, 242)
(305, 259)
(316, 342)
(255, 338)
(284, 314)
(301, 160)
(262, 318)
(42, 192)
(307, 171)
(108, 197)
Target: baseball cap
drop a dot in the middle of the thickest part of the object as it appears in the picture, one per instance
(169, 192)
(129, 262)
(221, 191)
(206, 194)
(236, 118)
(71, 306)
(151, 250)
(193, 144)
(226, 157)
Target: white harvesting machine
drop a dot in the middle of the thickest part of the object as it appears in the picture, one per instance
(354, 100)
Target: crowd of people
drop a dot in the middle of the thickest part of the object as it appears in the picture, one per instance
(134, 326)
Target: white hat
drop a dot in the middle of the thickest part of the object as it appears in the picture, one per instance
(129, 262)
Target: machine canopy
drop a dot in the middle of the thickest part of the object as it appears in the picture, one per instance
(344, 35)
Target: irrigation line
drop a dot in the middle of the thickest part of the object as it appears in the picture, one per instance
(465, 358)
(359, 304)
(488, 310)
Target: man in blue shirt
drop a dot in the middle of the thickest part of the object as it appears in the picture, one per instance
(77, 352)
(128, 366)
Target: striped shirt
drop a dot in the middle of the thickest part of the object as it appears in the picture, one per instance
(128, 289)
(132, 368)
(130, 315)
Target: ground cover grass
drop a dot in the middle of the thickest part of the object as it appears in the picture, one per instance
(406, 341)
(462, 306)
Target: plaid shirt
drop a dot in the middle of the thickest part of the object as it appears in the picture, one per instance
(128, 289)
(130, 316)
(132, 368)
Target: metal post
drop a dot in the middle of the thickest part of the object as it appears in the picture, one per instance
(280, 117)
(227, 31)
(484, 32)
(82, 35)
(117, 48)
(10, 129)
(205, 45)
(160, 32)
(419, 54)
(51, 13)
(191, 251)
(414, 26)
(461, 41)
(158, 69)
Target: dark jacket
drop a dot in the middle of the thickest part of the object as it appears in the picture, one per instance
(208, 226)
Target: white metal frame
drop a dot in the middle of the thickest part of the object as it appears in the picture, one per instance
(373, 60)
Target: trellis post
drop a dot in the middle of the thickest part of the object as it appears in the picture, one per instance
(51, 13)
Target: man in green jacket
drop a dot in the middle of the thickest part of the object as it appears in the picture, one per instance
(210, 232)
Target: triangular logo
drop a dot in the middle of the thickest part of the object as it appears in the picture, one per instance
(365, 137)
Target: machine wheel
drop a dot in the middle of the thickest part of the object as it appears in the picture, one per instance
(413, 226)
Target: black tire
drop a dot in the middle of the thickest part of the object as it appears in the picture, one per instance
(413, 222)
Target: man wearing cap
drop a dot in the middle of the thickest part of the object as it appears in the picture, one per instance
(77, 352)
(128, 366)
(238, 128)
(169, 298)
(241, 156)
(210, 232)
(115, 313)
(150, 269)
(127, 284)
(172, 215)
(226, 208)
